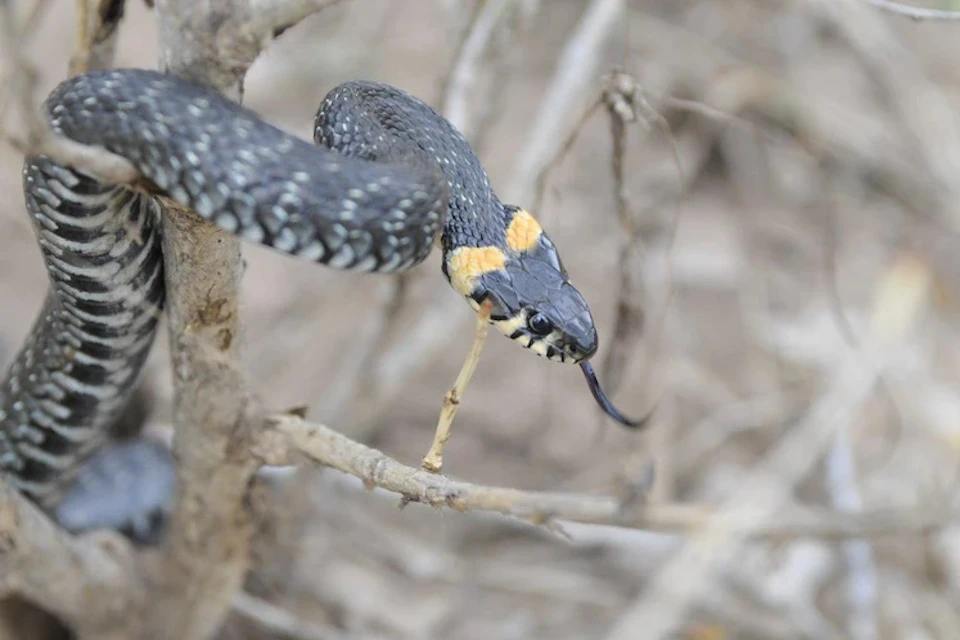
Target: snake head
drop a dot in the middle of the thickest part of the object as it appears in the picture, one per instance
(534, 304)
(530, 296)
(531, 299)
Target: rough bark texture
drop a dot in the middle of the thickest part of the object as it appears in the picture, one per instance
(206, 553)
(88, 582)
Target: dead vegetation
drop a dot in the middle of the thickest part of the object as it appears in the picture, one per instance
(795, 285)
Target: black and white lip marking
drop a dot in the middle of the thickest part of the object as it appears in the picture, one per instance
(548, 346)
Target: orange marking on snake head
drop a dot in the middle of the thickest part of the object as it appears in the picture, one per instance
(523, 232)
(466, 264)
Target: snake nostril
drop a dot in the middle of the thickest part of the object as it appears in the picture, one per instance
(583, 347)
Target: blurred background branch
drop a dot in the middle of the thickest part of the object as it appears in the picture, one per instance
(914, 13)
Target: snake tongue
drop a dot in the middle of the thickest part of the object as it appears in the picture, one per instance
(605, 403)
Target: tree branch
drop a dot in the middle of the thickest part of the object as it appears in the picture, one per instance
(206, 553)
(915, 13)
(285, 439)
(270, 16)
(89, 582)
(20, 81)
(569, 91)
(757, 499)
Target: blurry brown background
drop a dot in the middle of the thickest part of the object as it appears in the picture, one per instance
(820, 204)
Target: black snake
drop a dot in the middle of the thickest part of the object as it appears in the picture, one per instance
(387, 176)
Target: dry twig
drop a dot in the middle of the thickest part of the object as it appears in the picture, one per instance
(277, 620)
(915, 13)
(206, 553)
(569, 89)
(771, 482)
(286, 437)
(40, 138)
(89, 582)
(433, 461)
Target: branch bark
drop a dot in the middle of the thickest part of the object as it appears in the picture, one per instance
(20, 82)
(286, 439)
(89, 582)
(206, 553)
(915, 13)
(569, 92)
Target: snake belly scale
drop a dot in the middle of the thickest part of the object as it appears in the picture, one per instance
(387, 177)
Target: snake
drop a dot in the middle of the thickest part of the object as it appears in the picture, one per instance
(386, 179)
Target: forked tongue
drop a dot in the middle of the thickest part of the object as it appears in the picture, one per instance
(605, 403)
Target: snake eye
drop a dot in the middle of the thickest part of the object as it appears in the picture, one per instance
(539, 324)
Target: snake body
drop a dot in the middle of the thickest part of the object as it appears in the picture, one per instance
(387, 177)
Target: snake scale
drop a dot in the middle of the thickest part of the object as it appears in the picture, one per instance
(387, 176)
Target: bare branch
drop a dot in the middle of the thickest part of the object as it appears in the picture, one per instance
(286, 437)
(279, 621)
(40, 138)
(770, 484)
(88, 582)
(568, 92)
(463, 75)
(273, 16)
(915, 13)
(206, 553)
(433, 460)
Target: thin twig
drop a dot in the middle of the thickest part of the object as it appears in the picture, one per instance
(568, 91)
(620, 98)
(277, 620)
(88, 582)
(915, 13)
(40, 138)
(457, 95)
(861, 582)
(433, 461)
(755, 502)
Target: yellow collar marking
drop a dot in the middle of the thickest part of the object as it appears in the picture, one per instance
(466, 264)
(523, 232)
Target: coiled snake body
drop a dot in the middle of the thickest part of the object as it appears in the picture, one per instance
(389, 174)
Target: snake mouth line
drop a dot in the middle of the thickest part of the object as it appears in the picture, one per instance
(604, 401)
